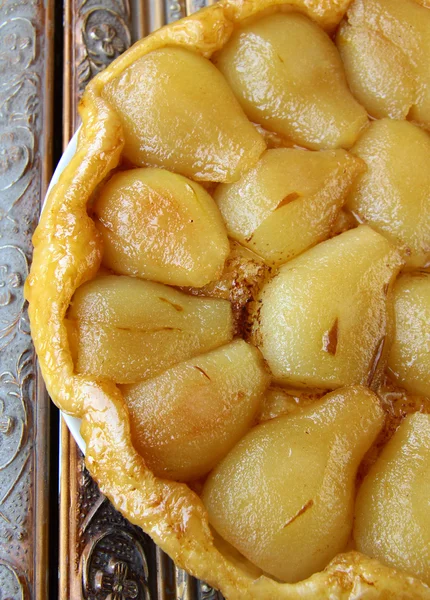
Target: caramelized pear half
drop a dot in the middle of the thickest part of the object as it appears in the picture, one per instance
(393, 194)
(288, 202)
(385, 46)
(392, 518)
(409, 360)
(325, 319)
(161, 226)
(284, 496)
(288, 76)
(186, 419)
(127, 330)
(178, 112)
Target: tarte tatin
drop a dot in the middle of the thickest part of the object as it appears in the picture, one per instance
(231, 288)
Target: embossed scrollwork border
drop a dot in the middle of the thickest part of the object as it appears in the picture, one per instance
(26, 76)
(13, 581)
(102, 41)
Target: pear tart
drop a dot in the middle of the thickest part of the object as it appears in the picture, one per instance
(231, 289)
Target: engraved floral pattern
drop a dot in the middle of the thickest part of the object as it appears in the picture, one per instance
(108, 39)
(22, 144)
(6, 423)
(13, 318)
(13, 45)
(105, 34)
(208, 593)
(9, 281)
(116, 582)
(14, 453)
(17, 45)
(114, 564)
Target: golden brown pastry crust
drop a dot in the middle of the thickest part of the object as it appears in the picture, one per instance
(67, 253)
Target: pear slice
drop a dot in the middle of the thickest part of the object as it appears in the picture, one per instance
(284, 496)
(127, 330)
(325, 319)
(392, 517)
(288, 202)
(393, 195)
(288, 77)
(178, 112)
(186, 419)
(160, 226)
(409, 360)
(385, 46)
